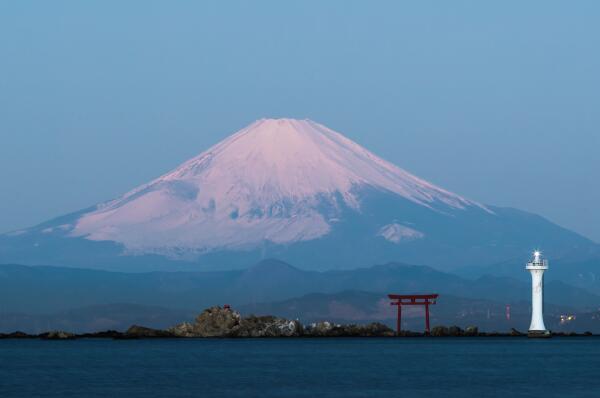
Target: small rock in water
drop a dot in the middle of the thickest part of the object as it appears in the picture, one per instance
(103, 334)
(455, 331)
(136, 331)
(471, 331)
(439, 331)
(375, 329)
(57, 335)
(515, 332)
(16, 335)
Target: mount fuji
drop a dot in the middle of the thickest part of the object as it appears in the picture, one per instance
(295, 190)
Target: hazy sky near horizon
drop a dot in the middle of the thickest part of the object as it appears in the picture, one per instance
(496, 101)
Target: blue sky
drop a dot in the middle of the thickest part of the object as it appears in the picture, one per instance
(497, 101)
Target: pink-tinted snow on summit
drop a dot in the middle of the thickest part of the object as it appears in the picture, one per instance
(267, 182)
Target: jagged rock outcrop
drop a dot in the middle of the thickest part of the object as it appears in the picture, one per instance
(216, 322)
(267, 326)
(374, 329)
(224, 322)
(58, 335)
(319, 329)
(184, 329)
(454, 331)
(212, 322)
(327, 329)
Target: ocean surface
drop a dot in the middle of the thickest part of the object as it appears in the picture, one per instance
(344, 367)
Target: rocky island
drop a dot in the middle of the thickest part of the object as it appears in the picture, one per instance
(223, 322)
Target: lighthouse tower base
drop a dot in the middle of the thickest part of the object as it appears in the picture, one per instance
(540, 334)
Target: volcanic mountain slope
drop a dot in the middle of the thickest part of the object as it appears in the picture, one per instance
(278, 181)
(292, 189)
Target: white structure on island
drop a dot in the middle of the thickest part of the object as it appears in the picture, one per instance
(537, 267)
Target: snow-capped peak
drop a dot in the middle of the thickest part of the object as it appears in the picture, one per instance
(263, 183)
(299, 158)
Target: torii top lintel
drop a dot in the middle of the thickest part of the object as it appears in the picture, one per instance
(413, 299)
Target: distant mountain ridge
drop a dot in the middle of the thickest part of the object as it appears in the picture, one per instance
(295, 190)
(62, 289)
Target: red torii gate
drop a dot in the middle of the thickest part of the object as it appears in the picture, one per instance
(412, 299)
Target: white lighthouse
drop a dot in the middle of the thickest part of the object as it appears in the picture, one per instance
(537, 267)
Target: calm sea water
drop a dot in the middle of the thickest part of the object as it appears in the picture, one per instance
(492, 367)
